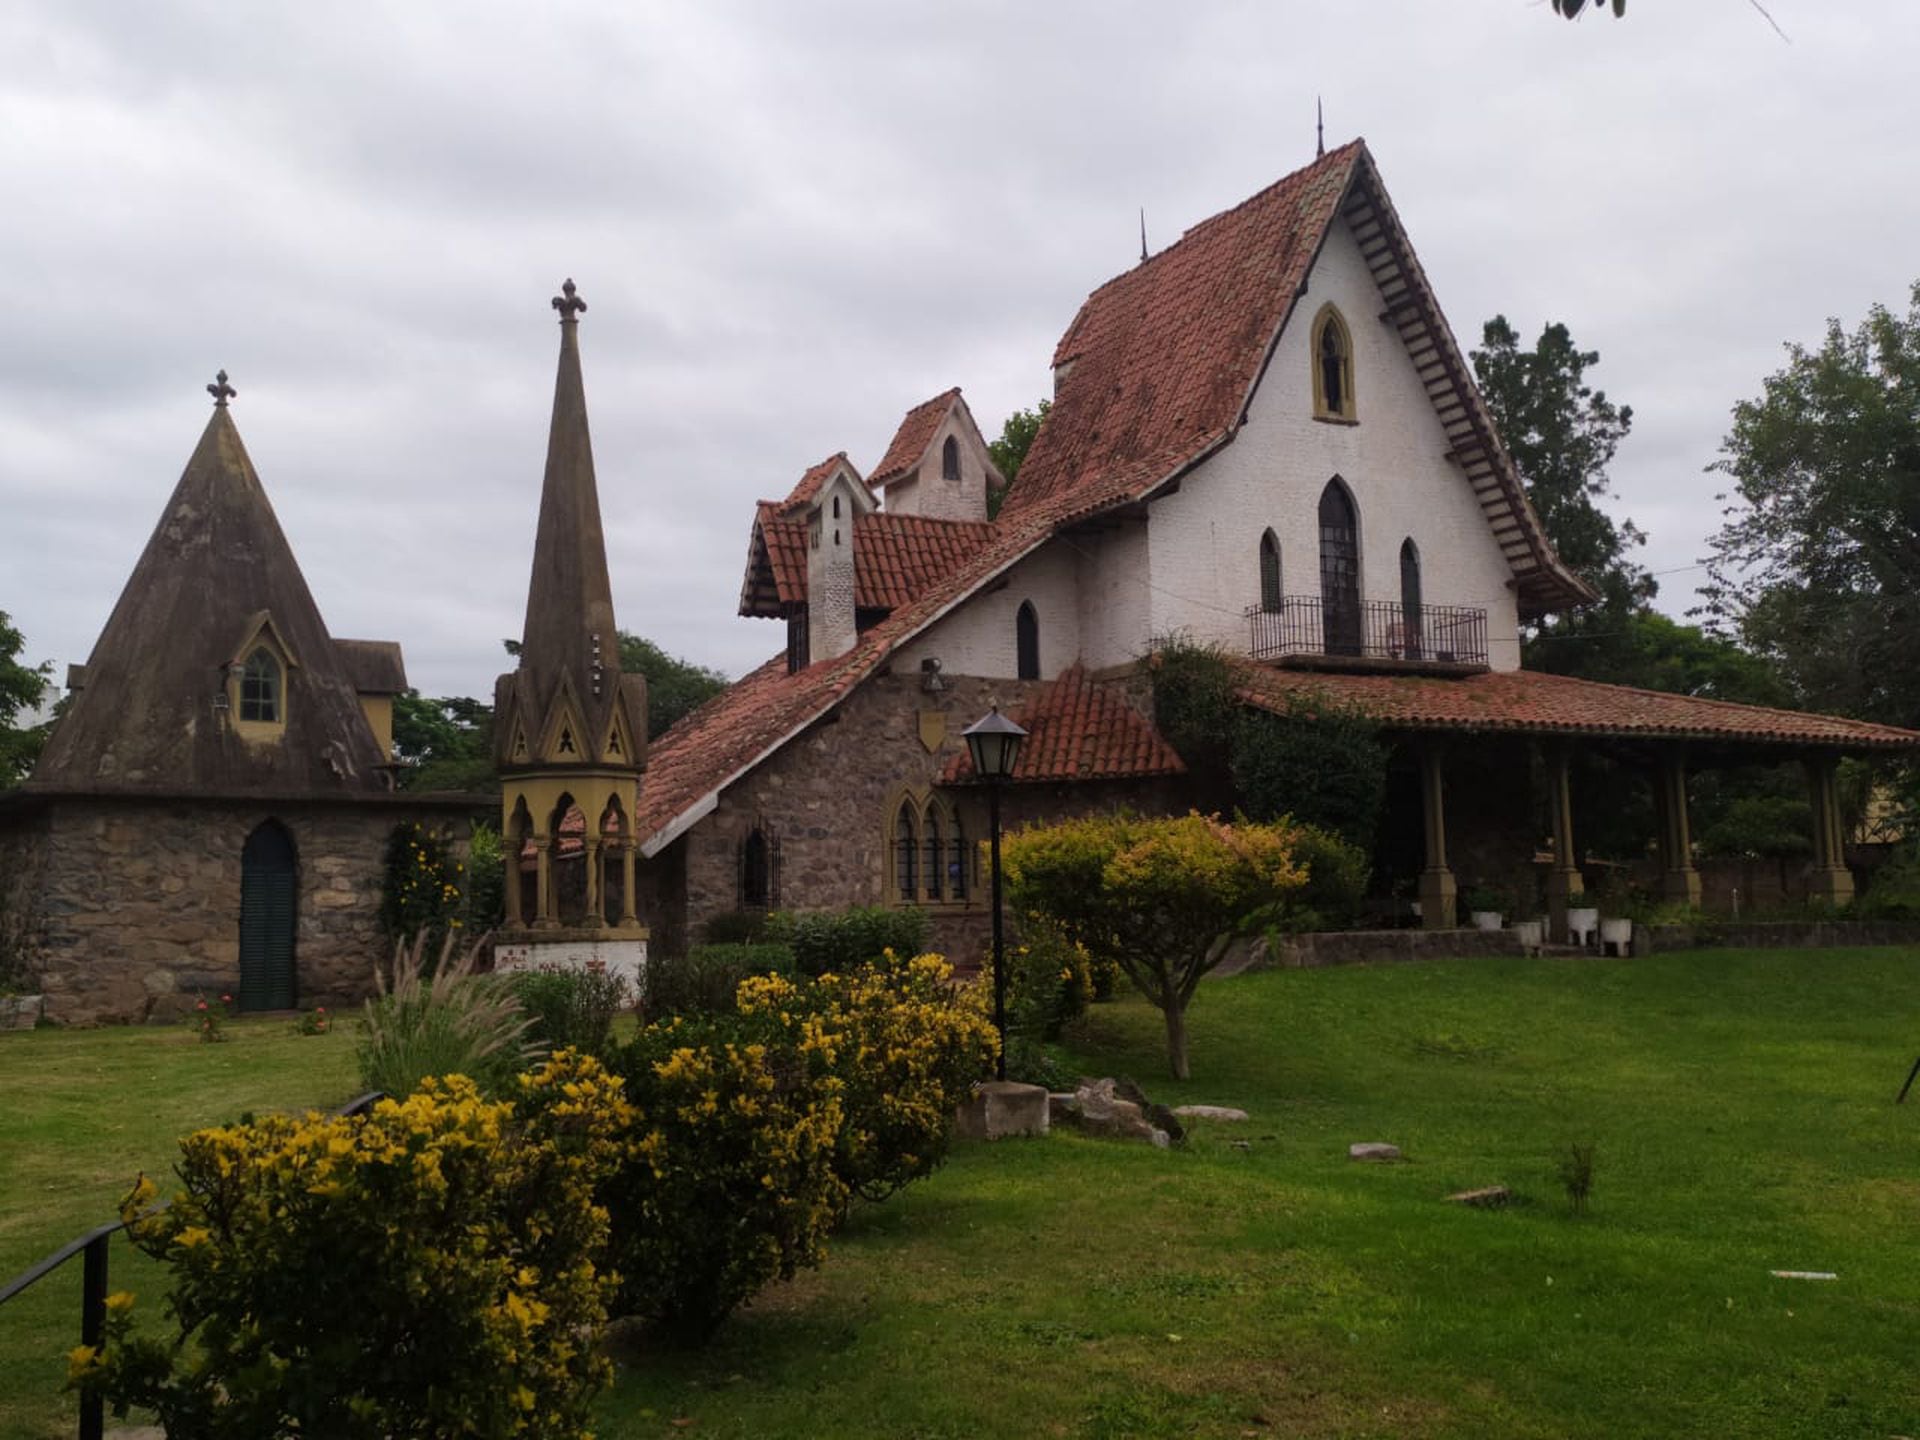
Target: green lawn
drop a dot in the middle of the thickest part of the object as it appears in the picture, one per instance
(1741, 1103)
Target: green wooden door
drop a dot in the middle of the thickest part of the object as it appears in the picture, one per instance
(269, 888)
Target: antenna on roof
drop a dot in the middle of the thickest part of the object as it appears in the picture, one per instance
(1319, 129)
(1143, 234)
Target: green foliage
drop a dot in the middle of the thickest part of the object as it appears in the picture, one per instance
(443, 744)
(1894, 891)
(737, 927)
(569, 1009)
(1160, 897)
(1197, 707)
(427, 1269)
(1335, 892)
(1321, 764)
(1010, 450)
(441, 1019)
(1814, 567)
(209, 1019)
(486, 876)
(422, 886)
(705, 979)
(1758, 827)
(832, 940)
(1049, 983)
(1576, 1175)
(20, 690)
(675, 688)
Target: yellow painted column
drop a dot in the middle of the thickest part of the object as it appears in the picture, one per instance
(1565, 887)
(1678, 879)
(1437, 888)
(1831, 880)
(596, 911)
(629, 907)
(511, 859)
(543, 887)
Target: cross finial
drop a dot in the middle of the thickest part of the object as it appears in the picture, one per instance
(221, 390)
(568, 304)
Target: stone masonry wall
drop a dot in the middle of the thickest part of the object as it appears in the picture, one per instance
(143, 903)
(829, 797)
(23, 858)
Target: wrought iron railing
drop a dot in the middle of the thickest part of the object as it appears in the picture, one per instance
(1369, 630)
(92, 1247)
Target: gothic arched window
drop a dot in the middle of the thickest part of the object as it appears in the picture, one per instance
(1332, 366)
(1339, 570)
(1270, 573)
(906, 853)
(260, 688)
(755, 873)
(1410, 643)
(950, 459)
(1026, 642)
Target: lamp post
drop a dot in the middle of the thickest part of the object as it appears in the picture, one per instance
(993, 741)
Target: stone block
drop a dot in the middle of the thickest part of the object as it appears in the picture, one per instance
(1375, 1150)
(1209, 1112)
(1000, 1109)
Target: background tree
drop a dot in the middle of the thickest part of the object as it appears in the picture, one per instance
(21, 686)
(444, 743)
(1817, 566)
(675, 687)
(1016, 438)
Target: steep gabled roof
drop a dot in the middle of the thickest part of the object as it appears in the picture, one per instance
(151, 718)
(808, 490)
(376, 667)
(1158, 368)
(895, 557)
(911, 440)
(1077, 730)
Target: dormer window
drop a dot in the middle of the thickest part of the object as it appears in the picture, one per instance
(261, 682)
(950, 459)
(1332, 367)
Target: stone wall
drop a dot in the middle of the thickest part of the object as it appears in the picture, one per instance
(828, 800)
(1370, 947)
(23, 858)
(143, 902)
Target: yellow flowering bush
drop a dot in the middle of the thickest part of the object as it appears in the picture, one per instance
(906, 1046)
(431, 1268)
(727, 1180)
(1161, 897)
(423, 889)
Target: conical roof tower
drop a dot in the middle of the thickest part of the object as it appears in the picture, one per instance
(570, 730)
(215, 674)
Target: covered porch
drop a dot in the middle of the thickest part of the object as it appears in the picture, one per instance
(1549, 720)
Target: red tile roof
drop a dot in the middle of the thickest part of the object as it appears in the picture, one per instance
(1077, 730)
(1535, 702)
(911, 440)
(895, 557)
(803, 494)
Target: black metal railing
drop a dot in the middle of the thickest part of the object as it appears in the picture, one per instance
(92, 1246)
(1369, 630)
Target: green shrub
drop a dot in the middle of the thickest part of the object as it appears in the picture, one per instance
(568, 1008)
(703, 981)
(423, 888)
(1334, 896)
(441, 1020)
(486, 876)
(737, 927)
(427, 1269)
(1049, 982)
(829, 941)
(1894, 892)
(1320, 764)
(730, 1182)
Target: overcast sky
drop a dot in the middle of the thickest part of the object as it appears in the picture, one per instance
(792, 221)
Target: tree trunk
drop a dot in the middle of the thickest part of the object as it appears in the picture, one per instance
(1176, 1013)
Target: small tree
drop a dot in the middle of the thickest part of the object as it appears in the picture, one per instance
(1162, 898)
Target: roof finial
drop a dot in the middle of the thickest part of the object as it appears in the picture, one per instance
(221, 391)
(1319, 129)
(568, 304)
(1143, 234)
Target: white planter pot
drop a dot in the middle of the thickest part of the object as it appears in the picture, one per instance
(1489, 920)
(1583, 922)
(1618, 934)
(1532, 933)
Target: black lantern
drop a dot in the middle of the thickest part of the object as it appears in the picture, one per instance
(993, 741)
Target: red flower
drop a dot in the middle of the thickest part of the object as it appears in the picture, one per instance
(226, 999)
(201, 1006)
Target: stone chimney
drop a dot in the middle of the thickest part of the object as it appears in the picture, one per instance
(830, 619)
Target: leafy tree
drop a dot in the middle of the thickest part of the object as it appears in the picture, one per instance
(675, 687)
(1161, 898)
(1016, 438)
(1817, 566)
(444, 744)
(20, 690)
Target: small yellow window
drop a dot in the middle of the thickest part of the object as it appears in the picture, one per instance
(1332, 366)
(260, 688)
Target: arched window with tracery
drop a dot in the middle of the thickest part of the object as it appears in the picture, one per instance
(1339, 570)
(936, 854)
(1332, 345)
(1270, 573)
(906, 852)
(1026, 641)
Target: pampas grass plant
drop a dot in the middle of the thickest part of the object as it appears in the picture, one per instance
(442, 1018)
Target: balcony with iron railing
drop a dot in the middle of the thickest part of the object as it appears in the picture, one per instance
(1304, 631)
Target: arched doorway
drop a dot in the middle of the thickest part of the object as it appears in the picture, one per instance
(269, 894)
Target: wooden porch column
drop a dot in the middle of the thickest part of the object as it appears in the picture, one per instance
(1678, 879)
(629, 908)
(1437, 889)
(1830, 881)
(596, 909)
(543, 882)
(1564, 884)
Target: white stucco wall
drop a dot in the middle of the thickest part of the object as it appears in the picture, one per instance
(1204, 541)
(1116, 616)
(978, 638)
(924, 492)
